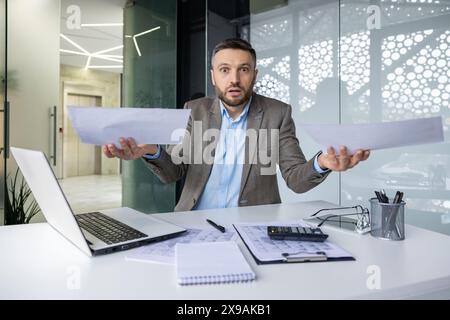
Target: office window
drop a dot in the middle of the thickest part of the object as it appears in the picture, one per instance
(406, 77)
(296, 44)
(333, 64)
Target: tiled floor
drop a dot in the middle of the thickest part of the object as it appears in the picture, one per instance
(90, 193)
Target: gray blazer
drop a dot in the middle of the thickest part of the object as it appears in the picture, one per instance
(256, 188)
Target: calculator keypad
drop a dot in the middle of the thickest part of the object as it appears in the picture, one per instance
(296, 233)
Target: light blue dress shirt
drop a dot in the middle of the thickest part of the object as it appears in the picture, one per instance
(224, 183)
(153, 156)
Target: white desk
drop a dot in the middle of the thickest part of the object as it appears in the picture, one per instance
(36, 262)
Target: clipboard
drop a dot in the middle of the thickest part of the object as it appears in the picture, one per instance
(310, 257)
(318, 256)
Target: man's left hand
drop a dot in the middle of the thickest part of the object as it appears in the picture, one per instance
(341, 161)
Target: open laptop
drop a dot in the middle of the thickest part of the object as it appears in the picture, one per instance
(94, 233)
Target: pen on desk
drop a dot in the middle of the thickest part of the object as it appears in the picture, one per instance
(215, 225)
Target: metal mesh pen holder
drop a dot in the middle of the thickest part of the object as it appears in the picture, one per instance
(387, 220)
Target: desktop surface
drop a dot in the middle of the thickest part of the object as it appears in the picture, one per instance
(38, 263)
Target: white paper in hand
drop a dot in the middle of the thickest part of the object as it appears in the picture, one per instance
(146, 125)
(372, 136)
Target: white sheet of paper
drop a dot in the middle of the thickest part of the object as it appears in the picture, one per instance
(266, 249)
(375, 136)
(164, 251)
(146, 125)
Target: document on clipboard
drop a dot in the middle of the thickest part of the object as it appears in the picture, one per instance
(266, 250)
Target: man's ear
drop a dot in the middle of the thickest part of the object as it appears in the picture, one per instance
(254, 78)
(212, 77)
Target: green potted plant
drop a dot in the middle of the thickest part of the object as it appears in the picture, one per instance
(20, 206)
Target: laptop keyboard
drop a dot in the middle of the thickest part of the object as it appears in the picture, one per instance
(106, 228)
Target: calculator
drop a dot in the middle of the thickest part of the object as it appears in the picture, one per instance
(296, 233)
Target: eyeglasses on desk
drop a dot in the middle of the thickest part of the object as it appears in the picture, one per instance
(360, 224)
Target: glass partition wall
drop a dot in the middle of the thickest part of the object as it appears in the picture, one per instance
(357, 62)
(29, 82)
(61, 53)
(297, 46)
(150, 64)
(395, 65)
(3, 99)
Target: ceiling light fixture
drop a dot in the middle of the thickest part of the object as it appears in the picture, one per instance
(102, 25)
(74, 43)
(97, 54)
(138, 35)
(112, 56)
(106, 58)
(88, 62)
(145, 32)
(137, 47)
(109, 50)
(107, 67)
(74, 52)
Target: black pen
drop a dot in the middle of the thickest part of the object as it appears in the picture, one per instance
(397, 197)
(400, 198)
(215, 225)
(380, 199)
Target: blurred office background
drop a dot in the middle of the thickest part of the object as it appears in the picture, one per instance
(333, 61)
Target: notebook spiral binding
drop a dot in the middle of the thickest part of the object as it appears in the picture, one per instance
(244, 277)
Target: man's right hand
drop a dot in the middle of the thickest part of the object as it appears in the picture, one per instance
(128, 150)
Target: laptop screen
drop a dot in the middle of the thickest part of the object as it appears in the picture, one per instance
(46, 190)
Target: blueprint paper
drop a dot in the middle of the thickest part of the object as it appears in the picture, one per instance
(164, 251)
(373, 136)
(146, 125)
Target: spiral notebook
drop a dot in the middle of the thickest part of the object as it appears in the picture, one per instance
(211, 262)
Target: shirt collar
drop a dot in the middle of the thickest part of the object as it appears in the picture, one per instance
(243, 114)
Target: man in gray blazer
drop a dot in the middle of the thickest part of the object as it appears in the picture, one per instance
(233, 142)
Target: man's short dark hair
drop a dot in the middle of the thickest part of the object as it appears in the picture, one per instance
(234, 43)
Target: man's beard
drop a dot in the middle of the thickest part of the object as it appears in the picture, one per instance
(234, 103)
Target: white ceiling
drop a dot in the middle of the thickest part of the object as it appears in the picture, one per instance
(93, 39)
